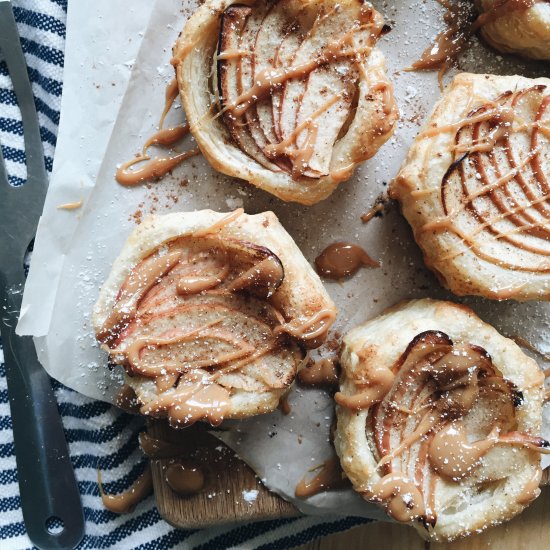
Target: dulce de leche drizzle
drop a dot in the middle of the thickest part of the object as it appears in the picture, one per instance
(195, 314)
(184, 479)
(247, 87)
(495, 194)
(341, 259)
(269, 79)
(419, 414)
(461, 26)
(126, 502)
(329, 476)
(322, 372)
(156, 168)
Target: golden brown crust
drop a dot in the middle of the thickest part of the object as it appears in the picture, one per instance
(461, 508)
(488, 242)
(372, 124)
(523, 31)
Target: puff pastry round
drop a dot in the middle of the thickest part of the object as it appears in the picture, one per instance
(524, 28)
(288, 95)
(475, 187)
(438, 417)
(210, 313)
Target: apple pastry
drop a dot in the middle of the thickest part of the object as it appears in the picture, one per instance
(289, 95)
(517, 26)
(475, 187)
(438, 417)
(210, 314)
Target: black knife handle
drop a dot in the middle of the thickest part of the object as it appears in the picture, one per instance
(47, 483)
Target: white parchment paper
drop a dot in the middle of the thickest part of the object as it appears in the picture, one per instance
(116, 69)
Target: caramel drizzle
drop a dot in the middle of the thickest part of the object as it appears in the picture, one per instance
(156, 168)
(341, 259)
(498, 191)
(452, 41)
(329, 476)
(445, 380)
(518, 215)
(233, 53)
(133, 352)
(184, 479)
(269, 79)
(309, 329)
(220, 224)
(139, 282)
(127, 501)
(301, 156)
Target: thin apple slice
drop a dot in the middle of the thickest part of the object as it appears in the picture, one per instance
(229, 264)
(234, 343)
(283, 58)
(327, 29)
(247, 68)
(406, 370)
(269, 38)
(323, 111)
(233, 21)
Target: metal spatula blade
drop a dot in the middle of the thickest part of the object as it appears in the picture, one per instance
(50, 499)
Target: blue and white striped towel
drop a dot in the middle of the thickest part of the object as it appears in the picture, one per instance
(99, 435)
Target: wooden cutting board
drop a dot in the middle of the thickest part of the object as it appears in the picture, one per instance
(229, 494)
(230, 487)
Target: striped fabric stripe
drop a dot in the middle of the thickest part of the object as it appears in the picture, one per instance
(99, 435)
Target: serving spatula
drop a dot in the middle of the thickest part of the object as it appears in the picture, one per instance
(50, 499)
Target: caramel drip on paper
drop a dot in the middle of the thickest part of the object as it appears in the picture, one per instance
(155, 168)
(329, 476)
(484, 143)
(155, 448)
(284, 405)
(339, 260)
(416, 411)
(170, 94)
(152, 169)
